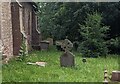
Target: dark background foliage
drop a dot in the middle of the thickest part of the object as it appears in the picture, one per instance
(58, 20)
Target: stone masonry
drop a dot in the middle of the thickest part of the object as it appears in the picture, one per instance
(6, 28)
(16, 18)
(23, 25)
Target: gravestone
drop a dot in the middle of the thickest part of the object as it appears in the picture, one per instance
(115, 76)
(44, 45)
(50, 41)
(67, 58)
(58, 45)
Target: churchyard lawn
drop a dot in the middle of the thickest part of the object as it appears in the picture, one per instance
(91, 71)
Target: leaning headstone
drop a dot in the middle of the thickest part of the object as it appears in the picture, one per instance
(67, 60)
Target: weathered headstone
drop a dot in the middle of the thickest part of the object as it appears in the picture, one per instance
(67, 58)
(58, 45)
(115, 76)
(44, 45)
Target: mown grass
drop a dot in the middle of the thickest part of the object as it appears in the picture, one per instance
(91, 71)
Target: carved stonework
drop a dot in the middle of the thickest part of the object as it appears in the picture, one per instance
(67, 58)
(67, 45)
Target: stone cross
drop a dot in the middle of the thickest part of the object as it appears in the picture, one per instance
(67, 58)
(67, 45)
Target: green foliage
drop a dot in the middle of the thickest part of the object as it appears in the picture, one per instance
(60, 19)
(46, 18)
(64, 17)
(115, 42)
(111, 17)
(93, 34)
(22, 51)
(114, 45)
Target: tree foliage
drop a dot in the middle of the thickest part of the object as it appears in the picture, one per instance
(46, 18)
(93, 34)
(61, 19)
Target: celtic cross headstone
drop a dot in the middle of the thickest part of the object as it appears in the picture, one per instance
(67, 58)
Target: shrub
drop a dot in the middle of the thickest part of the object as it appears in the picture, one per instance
(93, 34)
(22, 51)
(114, 45)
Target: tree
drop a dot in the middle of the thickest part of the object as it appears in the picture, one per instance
(46, 18)
(60, 19)
(93, 33)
